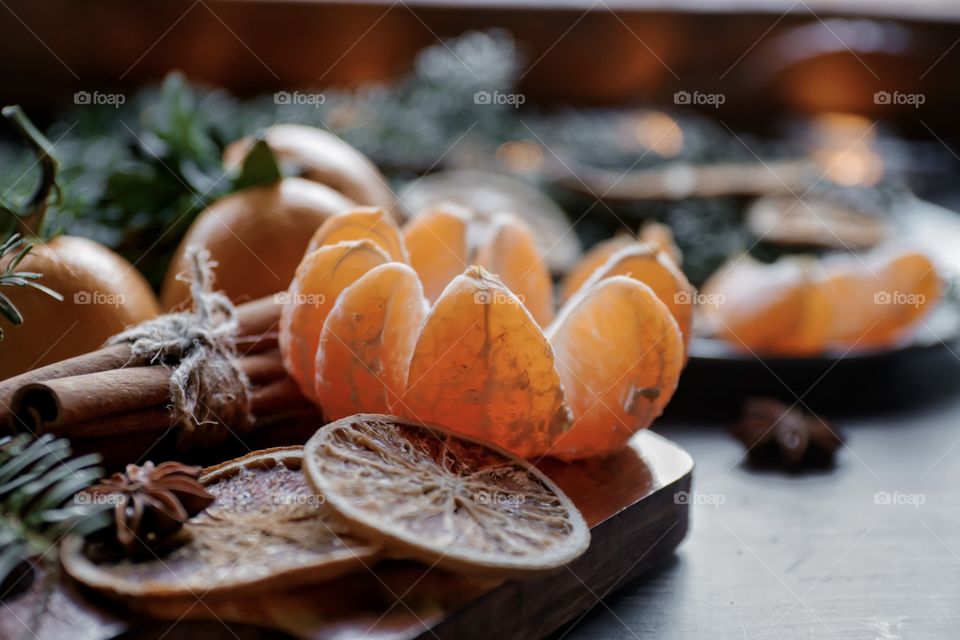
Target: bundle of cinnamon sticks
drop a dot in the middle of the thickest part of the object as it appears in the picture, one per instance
(104, 402)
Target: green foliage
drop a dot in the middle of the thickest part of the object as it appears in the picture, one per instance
(259, 167)
(17, 248)
(38, 483)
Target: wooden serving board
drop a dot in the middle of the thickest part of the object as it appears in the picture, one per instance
(633, 503)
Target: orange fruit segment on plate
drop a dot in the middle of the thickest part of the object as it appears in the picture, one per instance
(767, 308)
(511, 253)
(644, 263)
(319, 279)
(620, 353)
(367, 342)
(362, 223)
(437, 244)
(804, 306)
(880, 297)
(483, 368)
(592, 260)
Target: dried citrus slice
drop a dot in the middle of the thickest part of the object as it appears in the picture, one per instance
(591, 261)
(370, 223)
(620, 355)
(445, 500)
(510, 252)
(367, 342)
(266, 530)
(320, 278)
(483, 368)
(645, 263)
(437, 243)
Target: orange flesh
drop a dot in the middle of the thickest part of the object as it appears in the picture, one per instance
(618, 372)
(483, 368)
(644, 263)
(512, 254)
(437, 243)
(363, 223)
(592, 260)
(320, 278)
(367, 342)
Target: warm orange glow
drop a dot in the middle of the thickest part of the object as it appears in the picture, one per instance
(658, 132)
(520, 155)
(844, 146)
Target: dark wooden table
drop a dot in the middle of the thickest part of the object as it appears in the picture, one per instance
(869, 550)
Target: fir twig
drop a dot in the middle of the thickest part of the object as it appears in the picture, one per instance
(17, 247)
(38, 482)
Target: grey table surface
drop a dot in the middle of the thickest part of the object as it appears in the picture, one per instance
(868, 550)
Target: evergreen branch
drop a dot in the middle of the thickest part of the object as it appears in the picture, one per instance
(38, 484)
(10, 277)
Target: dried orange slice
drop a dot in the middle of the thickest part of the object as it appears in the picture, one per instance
(483, 368)
(591, 261)
(367, 342)
(320, 278)
(620, 354)
(437, 242)
(266, 530)
(510, 252)
(646, 264)
(444, 500)
(362, 223)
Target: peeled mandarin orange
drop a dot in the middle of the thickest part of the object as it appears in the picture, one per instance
(882, 296)
(510, 252)
(319, 279)
(483, 368)
(368, 223)
(660, 236)
(591, 261)
(367, 342)
(768, 308)
(620, 353)
(437, 243)
(644, 263)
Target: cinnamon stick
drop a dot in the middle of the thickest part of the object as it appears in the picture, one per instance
(101, 360)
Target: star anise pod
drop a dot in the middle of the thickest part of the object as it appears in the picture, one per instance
(153, 502)
(778, 435)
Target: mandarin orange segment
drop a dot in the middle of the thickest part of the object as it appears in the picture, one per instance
(764, 308)
(362, 223)
(882, 296)
(437, 243)
(483, 368)
(319, 279)
(620, 354)
(367, 342)
(590, 262)
(660, 236)
(646, 264)
(511, 253)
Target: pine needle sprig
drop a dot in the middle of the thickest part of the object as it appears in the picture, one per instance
(39, 480)
(18, 248)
